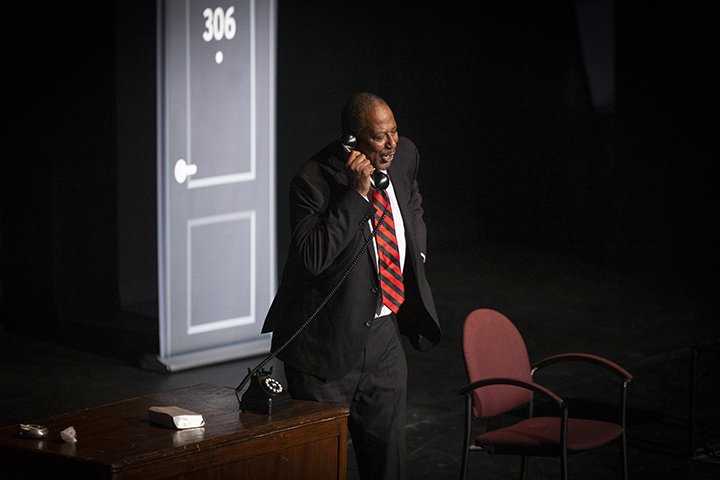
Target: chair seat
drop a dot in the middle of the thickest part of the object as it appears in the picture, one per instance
(583, 434)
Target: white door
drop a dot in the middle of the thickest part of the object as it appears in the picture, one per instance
(216, 179)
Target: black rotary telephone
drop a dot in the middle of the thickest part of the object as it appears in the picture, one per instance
(380, 179)
(265, 394)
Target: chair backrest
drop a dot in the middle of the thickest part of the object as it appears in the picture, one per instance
(493, 347)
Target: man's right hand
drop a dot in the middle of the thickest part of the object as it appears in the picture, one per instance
(358, 170)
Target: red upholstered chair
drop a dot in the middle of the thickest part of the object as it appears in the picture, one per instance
(501, 381)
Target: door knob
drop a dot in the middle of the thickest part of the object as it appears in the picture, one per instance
(184, 170)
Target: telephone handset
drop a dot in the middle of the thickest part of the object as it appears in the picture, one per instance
(380, 179)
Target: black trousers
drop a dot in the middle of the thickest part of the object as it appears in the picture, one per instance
(375, 390)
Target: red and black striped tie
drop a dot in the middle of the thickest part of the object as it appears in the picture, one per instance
(391, 279)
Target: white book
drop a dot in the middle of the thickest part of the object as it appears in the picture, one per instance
(175, 417)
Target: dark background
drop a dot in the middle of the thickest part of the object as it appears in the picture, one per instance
(516, 150)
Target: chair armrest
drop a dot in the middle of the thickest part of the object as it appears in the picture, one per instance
(586, 358)
(511, 381)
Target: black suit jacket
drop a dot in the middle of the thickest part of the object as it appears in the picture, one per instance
(329, 228)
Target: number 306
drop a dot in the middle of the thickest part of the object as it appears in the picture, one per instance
(219, 24)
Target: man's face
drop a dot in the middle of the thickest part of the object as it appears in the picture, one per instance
(378, 139)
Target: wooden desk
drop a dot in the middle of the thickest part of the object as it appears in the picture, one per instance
(116, 441)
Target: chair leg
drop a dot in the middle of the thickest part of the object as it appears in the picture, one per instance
(563, 444)
(464, 467)
(523, 467)
(466, 437)
(623, 447)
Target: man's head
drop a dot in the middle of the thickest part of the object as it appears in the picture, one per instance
(370, 119)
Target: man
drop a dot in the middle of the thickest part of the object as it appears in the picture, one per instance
(350, 353)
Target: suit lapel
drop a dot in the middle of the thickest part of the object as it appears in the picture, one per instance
(371, 249)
